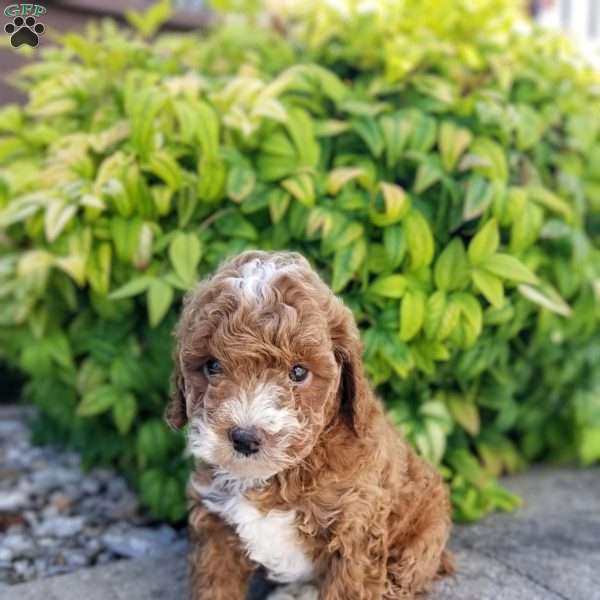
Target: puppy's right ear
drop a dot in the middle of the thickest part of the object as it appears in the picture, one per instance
(176, 411)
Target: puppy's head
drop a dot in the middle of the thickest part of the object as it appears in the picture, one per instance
(267, 357)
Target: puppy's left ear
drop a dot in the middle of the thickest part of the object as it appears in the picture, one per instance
(176, 411)
(357, 402)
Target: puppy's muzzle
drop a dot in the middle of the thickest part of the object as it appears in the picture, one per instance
(245, 441)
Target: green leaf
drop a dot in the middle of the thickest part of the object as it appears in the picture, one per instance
(11, 118)
(143, 252)
(467, 466)
(529, 126)
(59, 350)
(322, 219)
(338, 178)
(428, 174)
(57, 217)
(394, 241)
(124, 412)
(465, 413)
(234, 225)
(99, 268)
(551, 201)
(389, 286)
(471, 312)
(137, 192)
(279, 145)
(589, 445)
(434, 312)
(74, 266)
(368, 130)
(419, 239)
(330, 128)
(377, 261)
(153, 443)
(491, 159)
(163, 199)
(240, 182)
(453, 141)
(412, 314)
(525, 227)
(546, 297)
(212, 175)
(149, 21)
(479, 195)
(152, 488)
(449, 321)
(396, 129)
(485, 243)
(125, 373)
(90, 376)
(389, 206)
(431, 441)
(187, 118)
(437, 87)
(331, 85)
(11, 148)
(176, 282)
(256, 202)
(490, 286)
(452, 267)
(143, 106)
(508, 267)
(278, 204)
(98, 401)
(424, 131)
(301, 128)
(160, 297)
(163, 165)
(345, 235)
(163, 494)
(125, 234)
(397, 354)
(185, 252)
(302, 188)
(207, 130)
(132, 288)
(346, 263)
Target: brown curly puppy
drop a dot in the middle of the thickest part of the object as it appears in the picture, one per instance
(299, 473)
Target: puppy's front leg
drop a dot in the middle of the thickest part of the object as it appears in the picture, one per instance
(351, 577)
(357, 567)
(218, 566)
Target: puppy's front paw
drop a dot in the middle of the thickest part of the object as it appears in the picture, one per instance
(295, 591)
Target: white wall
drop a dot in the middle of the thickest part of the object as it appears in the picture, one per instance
(580, 19)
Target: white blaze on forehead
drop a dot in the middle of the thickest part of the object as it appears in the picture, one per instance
(256, 276)
(259, 408)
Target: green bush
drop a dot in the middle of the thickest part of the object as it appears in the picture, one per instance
(439, 162)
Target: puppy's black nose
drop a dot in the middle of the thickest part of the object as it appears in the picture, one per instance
(245, 441)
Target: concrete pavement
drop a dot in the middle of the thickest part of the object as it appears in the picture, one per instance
(548, 550)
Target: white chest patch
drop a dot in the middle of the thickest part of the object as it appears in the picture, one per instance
(271, 539)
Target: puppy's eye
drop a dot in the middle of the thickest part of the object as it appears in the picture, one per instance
(298, 373)
(212, 367)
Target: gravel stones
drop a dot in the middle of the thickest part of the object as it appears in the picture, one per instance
(55, 519)
(138, 542)
(60, 527)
